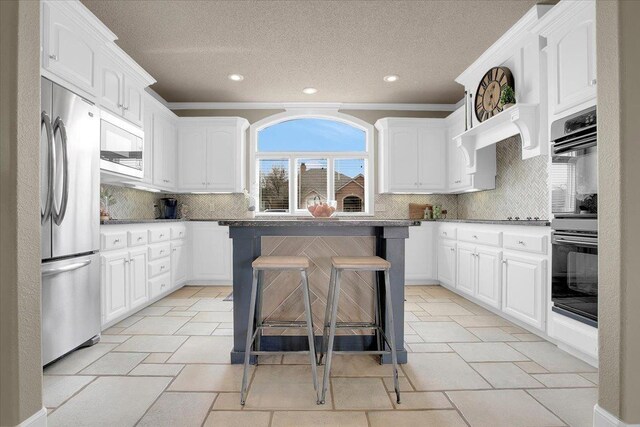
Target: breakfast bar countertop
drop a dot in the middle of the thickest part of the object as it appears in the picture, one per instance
(314, 222)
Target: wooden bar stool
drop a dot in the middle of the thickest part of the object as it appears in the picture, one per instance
(369, 263)
(281, 263)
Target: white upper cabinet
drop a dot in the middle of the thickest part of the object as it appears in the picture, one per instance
(211, 154)
(133, 105)
(111, 86)
(412, 155)
(164, 152)
(67, 50)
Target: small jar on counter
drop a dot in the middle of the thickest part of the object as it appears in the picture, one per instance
(428, 213)
(437, 212)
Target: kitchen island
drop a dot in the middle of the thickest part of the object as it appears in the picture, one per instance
(318, 240)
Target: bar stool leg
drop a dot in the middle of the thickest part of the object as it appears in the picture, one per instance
(258, 316)
(247, 347)
(332, 334)
(327, 313)
(310, 334)
(392, 334)
(377, 311)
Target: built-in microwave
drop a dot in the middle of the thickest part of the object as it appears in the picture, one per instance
(121, 146)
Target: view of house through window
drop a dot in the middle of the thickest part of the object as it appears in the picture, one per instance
(309, 160)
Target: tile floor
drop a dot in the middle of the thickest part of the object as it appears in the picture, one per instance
(168, 365)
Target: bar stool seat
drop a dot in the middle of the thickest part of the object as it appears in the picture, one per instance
(367, 263)
(257, 324)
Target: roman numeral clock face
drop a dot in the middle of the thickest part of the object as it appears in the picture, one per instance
(487, 102)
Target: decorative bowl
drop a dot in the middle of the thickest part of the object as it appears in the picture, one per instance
(321, 209)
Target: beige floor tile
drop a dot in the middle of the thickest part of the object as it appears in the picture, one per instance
(113, 339)
(213, 316)
(186, 292)
(294, 359)
(444, 309)
(275, 359)
(413, 298)
(178, 409)
(152, 344)
(319, 419)
(421, 400)
(442, 371)
(411, 317)
(157, 358)
(551, 357)
(488, 352)
(497, 408)
(492, 334)
(574, 406)
(222, 378)
(153, 311)
(505, 375)
(227, 401)
(405, 385)
(344, 365)
(156, 326)
(480, 321)
(114, 364)
(513, 330)
(58, 388)
(428, 318)
(109, 401)
(113, 330)
(531, 367)
(440, 418)
(430, 348)
(412, 306)
(238, 419)
(412, 339)
(176, 302)
(563, 380)
(157, 369)
(439, 292)
(208, 304)
(204, 350)
(592, 376)
(195, 328)
(360, 393)
(528, 337)
(129, 321)
(78, 360)
(443, 332)
(284, 387)
(180, 313)
(222, 332)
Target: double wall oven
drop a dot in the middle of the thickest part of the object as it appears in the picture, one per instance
(574, 203)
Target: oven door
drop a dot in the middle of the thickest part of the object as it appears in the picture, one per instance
(574, 183)
(574, 288)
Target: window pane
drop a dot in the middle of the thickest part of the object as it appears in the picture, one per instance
(350, 185)
(274, 185)
(311, 135)
(312, 181)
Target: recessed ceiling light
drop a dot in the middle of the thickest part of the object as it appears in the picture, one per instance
(391, 78)
(309, 90)
(236, 77)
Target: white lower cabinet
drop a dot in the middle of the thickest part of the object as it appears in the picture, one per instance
(447, 262)
(523, 279)
(420, 254)
(115, 298)
(138, 277)
(489, 279)
(211, 252)
(178, 263)
(465, 269)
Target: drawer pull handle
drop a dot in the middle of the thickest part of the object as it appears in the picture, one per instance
(161, 236)
(163, 285)
(520, 242)
(54, 57)
(116, 241)
(452, 249)
(174, 250)
(474, 236)
(161, 252)
(444, 232)
(139, 239)
(162, 267)
(504, 261)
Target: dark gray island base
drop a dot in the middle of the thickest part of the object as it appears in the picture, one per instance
(319, 240)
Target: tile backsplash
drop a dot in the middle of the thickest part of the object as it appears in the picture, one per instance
(521, 190)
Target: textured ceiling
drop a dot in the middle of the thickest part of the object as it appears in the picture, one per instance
(342, 48)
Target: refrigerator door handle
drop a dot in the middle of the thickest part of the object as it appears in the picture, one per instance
(66, 268)
(46, 121)
(58, 214)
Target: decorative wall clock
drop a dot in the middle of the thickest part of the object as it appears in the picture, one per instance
(487, 102)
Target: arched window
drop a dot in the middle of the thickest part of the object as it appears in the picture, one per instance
(298, 159)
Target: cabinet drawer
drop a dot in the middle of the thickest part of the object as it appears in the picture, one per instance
(113, 240)
(178, 232)
(483, 237)
(159, 251)
(159, 266)
(158, 235)
(137, 237)
(159, 285)
(527, 243)
(447, 232)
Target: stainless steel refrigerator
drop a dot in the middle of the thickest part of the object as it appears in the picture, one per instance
(70, 219)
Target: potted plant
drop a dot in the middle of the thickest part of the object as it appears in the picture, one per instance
(507, 97)
(106, 200)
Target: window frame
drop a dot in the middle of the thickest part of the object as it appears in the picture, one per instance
(331, 156)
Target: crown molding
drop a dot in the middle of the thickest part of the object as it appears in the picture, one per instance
(307, 106)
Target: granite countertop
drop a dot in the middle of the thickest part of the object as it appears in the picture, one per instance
(137, 221)
(538, 223)
(370, 222)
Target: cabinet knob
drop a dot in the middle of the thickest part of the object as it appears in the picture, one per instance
(139, 239)
(161, 236)
(125, 108)
(116, 241)
(204, 183)
(504, 261)
(162, 267)
(162, 251)
(444, 233)
(174, 250)
(594, 82)
(474, 236)
(54, 57)
(208, 183)
(520, 242)
(162, 285)
(452, 249)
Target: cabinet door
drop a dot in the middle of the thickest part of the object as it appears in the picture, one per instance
(211, 252)
(170, 146)
(573, 62)
(447, 262)
(111, 89)
(159, 178)
(192, 158)
(222, 162)
(147, 160)
(133, 108)
(115, 298)
(178, 264)
(419, 254)
(69, 52)
(432, 171)
(403, 159)
(489, 278)
(138, 277)
(466, 271)
(523, 287)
